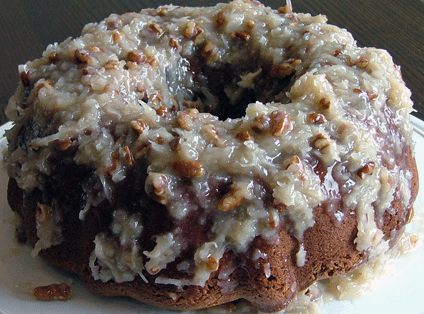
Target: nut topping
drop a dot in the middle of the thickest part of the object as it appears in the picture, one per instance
(316, 118)
(280, 123)
(212, 263)
(111, 64)
(243, 136)
(82, 56)
(142, 150)
(260, 124)
(63, 144)
(53, 292)
(321, 142)
(232, 199)
(159, 186)
(284, 69)
(136, 56)
(139, 126)
(368, 169)
(187, 117)
(220, 19)
(188, 169)
(295, 164)
(240, 34)
(324, 103)
(156, 28)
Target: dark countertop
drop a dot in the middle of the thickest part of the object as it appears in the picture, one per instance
(27, 27)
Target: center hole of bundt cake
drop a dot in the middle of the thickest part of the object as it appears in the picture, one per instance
(226, 90)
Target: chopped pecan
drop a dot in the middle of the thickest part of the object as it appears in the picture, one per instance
(193, 32)
(284, 69)
(162, 111)
(245, 36)
(136, 56)
(232, 199)
(367, 169)
(127, 155)
(188, 169)
(280, 206)
(111, 64)
(280, 123)
(271, 222)
(210, 131)
(94, 49)
(321, 142)
(250, 24)
(372, 95)
(116, 36)
(142, 150)
(53, 57)
(285, 9)
(63, 144)
(187, 117)
(174, 44)
(324, 103)
(337, 52)
(162, 11)
(53, 292)
(174, 144)
(156, 28)
(243, 136)
(159, 185)
(212, 263)
(25, 78)
(114, 163)
(316, 118)
(296, 165)
(220, 19)
(139, 126)
(362, 62)
(82, 56)
(260, 123)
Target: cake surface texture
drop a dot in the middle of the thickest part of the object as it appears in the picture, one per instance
(190, 157)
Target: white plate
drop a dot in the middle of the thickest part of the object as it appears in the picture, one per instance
(401, 292)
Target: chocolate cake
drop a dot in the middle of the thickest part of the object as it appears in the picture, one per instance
(190, 157)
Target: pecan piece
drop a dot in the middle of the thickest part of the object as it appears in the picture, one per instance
(284, 69)
(321, 142)
(260, 124)
(142, 150)
(188, 169)
(157, 186)
(245, 36)
(82, 56)
(212, 263)
(138, 126)
(25, 78)
(187, 117)
(324, 103)
(243, 136)
(220, 19)
(232, 199)
(53, 292)
(136, 56)
(316, 118)
(367, 169)
(63, 144)
(280, 123)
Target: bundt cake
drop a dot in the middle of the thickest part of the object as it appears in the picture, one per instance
(189, 157)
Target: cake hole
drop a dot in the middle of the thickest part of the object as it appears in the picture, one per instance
(219, 90)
